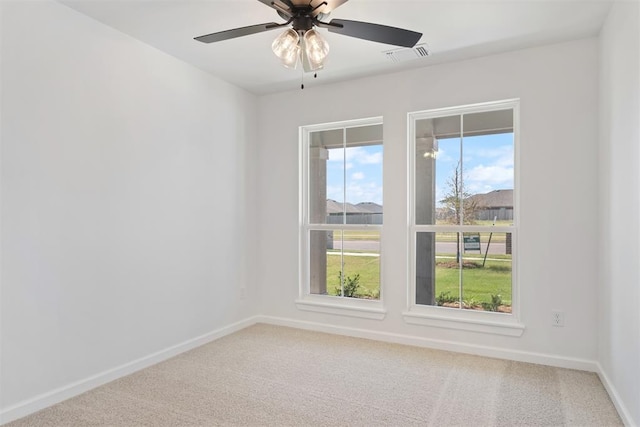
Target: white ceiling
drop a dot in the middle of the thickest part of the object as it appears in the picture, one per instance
(452, 29)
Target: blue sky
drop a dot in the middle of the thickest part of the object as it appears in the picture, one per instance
(487, 162)
(363, 167)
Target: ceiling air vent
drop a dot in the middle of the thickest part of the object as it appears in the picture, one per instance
(404, 54)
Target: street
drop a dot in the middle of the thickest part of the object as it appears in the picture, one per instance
(441, 247)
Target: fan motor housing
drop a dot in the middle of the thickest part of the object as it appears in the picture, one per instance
(302, 23)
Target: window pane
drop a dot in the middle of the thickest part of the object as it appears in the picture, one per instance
(437, 269)
(488, 165)
(353, 264)
(483, 277)
(364, 184)
(363, 174)
(361, 255)
(447, 272)
(323, 259)
(487, 272)
(345, 167)
(437, 169)
(326, 176)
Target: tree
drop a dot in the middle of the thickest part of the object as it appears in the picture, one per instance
(460, 206)
(458, 201)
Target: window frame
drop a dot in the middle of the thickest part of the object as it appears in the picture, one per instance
(330, 304)
(471, 320)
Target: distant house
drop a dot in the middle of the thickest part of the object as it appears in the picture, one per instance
(496, 204)
(361, 213)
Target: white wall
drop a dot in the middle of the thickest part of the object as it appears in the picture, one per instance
(126, 175)
(619, 287)
(558, 88)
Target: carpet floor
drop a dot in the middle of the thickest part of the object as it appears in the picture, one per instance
(275, 376)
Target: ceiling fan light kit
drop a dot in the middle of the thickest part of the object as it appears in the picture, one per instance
(287, 47)
(302, 43)
(316, 50)
(310, 49)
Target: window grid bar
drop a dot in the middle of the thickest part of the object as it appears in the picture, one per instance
(344, 178)
(342, 275)
(461, 193)
(461, 204)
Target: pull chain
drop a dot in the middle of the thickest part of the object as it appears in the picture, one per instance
(315, 76)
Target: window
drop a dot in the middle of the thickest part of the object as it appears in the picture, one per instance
(341, 216)
(463, 215)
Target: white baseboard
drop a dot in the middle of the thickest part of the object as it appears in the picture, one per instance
(42, 401)
(495, 352)
(627, 419)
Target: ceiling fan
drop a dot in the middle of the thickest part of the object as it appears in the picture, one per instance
(301, 43)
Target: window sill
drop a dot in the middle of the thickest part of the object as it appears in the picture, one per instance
(489, 323)
(365, 309)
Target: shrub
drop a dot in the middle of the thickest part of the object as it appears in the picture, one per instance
(496, 302)
(350, 286)
(445, 298)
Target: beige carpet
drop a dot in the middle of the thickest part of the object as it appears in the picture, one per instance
(274, 376)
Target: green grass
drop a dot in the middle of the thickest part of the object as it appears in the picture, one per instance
(373, 235)
(367, 266)
(478, 283)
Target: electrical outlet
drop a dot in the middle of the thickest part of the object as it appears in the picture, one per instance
(243, 292)
(557, 318)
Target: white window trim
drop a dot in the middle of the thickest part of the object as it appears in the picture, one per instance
(329, 304)
(442, 317)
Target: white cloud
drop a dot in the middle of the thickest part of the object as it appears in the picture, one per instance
(490, 174)
(443, 156)
(336, 155)
(356, 192)
(335, 192)
(482, 179)
(371, 158)
(369, 192)
(501, 156)
(364, 172)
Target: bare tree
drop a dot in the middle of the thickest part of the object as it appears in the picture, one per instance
(458, 201)
(461, 208)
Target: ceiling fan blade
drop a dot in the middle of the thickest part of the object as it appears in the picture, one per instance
(374, 32)
(237, 32)
(330, 6)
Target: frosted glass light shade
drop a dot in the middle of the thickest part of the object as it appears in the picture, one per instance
(287, 47)
(316, 50)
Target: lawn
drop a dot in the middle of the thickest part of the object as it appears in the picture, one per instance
(368, 267)
(479, 283)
